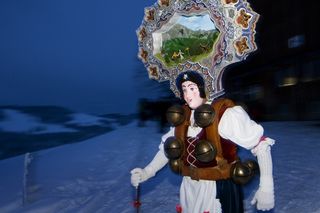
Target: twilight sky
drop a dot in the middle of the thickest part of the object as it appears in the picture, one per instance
(80, 54)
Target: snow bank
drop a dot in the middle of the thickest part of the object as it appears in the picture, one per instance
(16, 121)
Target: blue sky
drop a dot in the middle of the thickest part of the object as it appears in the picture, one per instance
(79, 54)
(202, 22)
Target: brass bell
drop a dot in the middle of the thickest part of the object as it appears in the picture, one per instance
(204, 151)
(241, 173)
(204, 115)
(175, 115)
(173, 148)
(175, 166)
(253, 165)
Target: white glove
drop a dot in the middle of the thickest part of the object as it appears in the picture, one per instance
(264, 197)
(139, 175)
(264, 200)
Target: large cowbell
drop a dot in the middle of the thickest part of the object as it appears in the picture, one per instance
(200, 35)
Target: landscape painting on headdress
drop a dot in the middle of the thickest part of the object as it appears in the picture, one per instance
(185, 38)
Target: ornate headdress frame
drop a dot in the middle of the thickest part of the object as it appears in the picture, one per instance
(200, 35)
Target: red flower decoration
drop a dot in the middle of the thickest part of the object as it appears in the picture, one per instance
(178, 208)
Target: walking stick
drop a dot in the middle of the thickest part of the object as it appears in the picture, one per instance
(136, 202)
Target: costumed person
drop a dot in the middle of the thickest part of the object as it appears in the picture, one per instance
(202, 148)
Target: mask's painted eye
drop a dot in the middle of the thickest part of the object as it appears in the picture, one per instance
(193, 88)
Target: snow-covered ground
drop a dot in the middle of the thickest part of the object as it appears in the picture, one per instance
(17, 121)
(93, 176)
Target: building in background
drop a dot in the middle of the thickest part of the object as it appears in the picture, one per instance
(281, 81)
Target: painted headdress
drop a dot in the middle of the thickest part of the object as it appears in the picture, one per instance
(200, 35)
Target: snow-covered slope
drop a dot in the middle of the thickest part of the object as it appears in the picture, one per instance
(93, 176)
(27, 129)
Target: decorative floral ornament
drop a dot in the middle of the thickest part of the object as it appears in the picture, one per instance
(201, 35)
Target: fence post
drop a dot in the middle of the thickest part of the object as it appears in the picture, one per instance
(28, 157)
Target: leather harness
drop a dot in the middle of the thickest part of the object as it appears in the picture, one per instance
(226, 150)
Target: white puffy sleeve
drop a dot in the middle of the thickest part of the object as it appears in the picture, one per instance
(165, 136)
(236, 125)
